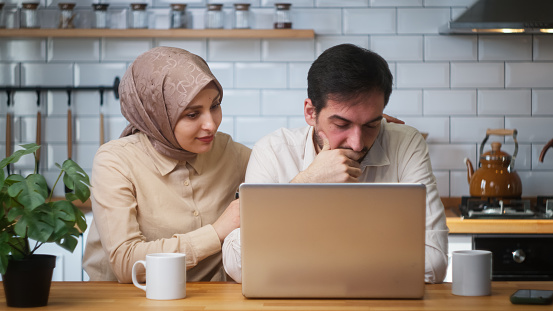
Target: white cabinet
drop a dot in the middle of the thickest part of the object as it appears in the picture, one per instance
(457, 242)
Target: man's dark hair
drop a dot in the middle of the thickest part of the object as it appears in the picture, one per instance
(346, 71)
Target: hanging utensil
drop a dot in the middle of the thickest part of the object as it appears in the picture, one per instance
(101, 117)
(69, 132)
(38, 130)
(8, 129)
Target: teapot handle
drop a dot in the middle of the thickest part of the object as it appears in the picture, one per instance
(501, 132)
(544, 150)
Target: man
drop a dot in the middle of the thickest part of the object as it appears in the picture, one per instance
(349, 140)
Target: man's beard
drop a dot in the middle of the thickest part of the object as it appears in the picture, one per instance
(320, 144)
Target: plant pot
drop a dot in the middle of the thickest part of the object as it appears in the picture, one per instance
(27, 281)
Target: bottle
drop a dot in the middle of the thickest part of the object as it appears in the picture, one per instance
(29, 15)
(214, 16)
(282, 16)
(138, 16)
(66, 15)
(100, 15)
(178, 15)
(241, 15)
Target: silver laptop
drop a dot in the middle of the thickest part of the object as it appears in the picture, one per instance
(362, 240)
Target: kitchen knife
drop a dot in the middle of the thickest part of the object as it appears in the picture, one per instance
(69, 132)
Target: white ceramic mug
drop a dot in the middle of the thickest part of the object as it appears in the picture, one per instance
(472, 273)
(165, 276)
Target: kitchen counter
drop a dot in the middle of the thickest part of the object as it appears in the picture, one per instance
(457, 225)
(108, 296)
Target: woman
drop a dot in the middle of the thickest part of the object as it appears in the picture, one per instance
(168, 184)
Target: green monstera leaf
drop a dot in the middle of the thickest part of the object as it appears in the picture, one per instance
(31, 191)
(27, 149)
(76, 180)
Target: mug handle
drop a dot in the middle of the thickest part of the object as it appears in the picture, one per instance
(134, 280)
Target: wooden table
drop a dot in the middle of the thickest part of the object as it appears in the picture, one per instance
(107, 296)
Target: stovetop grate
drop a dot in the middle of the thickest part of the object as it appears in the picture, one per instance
(496, 208)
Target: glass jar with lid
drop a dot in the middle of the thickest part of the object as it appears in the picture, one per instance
(66, 15)
(283, 19)
(214, 18)
(29, 15)
(241, 15)
(138, 16)
(100, 15)
(178, 15)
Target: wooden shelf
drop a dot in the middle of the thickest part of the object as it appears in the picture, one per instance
(161, 33)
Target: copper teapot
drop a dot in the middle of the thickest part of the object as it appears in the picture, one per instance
(495, 176)
(544, 150)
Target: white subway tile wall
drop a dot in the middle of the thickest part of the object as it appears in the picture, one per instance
(398, 48)
(405, 102)
(421, 20)
(450, 48)
(452, 87)
(73, 49)
(502, 48)
(477, 74)
(543, 47)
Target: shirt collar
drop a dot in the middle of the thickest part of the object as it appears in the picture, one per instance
(165, 164)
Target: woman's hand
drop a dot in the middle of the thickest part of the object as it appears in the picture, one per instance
(391, 119)
(228, 221)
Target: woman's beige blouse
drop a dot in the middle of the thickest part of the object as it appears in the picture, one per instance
(144, 202)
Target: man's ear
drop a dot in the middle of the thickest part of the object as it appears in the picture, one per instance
(309, 112)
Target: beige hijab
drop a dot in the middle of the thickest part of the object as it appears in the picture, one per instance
(156, 89)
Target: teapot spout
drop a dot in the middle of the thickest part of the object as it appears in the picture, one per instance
(470, 169)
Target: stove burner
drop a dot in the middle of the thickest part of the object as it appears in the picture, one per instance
(488, 208)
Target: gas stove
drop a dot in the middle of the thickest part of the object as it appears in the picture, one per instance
(496, 208)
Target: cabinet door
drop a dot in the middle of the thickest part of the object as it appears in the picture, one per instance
(457, 242)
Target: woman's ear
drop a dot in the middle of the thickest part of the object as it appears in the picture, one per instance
(309, 112)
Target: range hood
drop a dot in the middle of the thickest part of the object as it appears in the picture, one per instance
(504, 16)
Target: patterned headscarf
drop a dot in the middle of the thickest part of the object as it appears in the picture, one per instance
(155, 90)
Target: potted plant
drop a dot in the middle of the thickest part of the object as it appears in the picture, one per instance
(28, 219)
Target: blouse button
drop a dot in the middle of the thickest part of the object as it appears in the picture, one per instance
(186, 183)
(196, 213)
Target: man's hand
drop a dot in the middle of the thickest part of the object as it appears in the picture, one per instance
(331, 165)
(228, 221)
